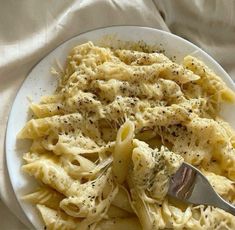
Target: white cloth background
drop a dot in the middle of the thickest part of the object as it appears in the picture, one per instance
(31, 29)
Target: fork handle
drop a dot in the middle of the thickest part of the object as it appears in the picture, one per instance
(222, 204)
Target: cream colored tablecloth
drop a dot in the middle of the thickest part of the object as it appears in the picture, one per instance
(31, 29)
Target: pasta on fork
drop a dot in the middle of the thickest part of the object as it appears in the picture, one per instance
(119, 124)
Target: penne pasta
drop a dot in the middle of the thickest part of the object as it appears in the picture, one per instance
(115, 212)
(118, 126)
(122, 151)
(119, 223)
(45, 196)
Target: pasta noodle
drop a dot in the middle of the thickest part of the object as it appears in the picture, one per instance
(122, 152)
(115, 212)
(45, 196)
(118, 126)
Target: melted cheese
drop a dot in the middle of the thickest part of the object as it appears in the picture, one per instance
(173, 107)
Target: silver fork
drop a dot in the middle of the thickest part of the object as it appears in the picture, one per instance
(190, 185)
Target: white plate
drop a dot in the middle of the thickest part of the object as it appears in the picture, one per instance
(40, 82)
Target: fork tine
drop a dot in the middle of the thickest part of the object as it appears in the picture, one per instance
(182, 182)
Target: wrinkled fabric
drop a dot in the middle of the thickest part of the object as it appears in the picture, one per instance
(31, 29)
